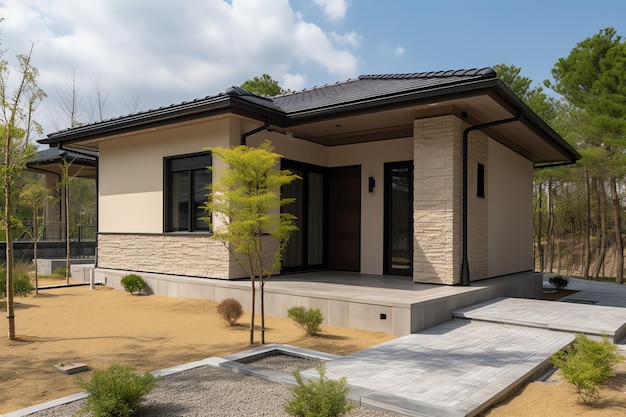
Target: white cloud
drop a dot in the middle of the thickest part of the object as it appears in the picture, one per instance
(351, 39)
(333, 9)
(143, 47)
(399, 50)
(294, 82)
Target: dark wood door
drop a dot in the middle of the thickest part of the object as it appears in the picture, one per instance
(344, 219)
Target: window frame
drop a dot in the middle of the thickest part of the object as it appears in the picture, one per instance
(191, 162)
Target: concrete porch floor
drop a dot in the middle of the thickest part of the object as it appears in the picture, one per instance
(390, 304)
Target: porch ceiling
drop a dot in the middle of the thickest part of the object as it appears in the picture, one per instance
(396, 123)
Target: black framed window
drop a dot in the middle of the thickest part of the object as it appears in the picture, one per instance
(186, 180)
(480, 181)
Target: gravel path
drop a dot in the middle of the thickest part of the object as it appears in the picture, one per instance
(209, 391)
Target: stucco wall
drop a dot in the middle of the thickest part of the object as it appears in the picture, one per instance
(510, 211)
(131, 173)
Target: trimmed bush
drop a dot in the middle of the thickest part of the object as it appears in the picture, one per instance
(559, 282)
(116, 391)
(322, 398)
(132, 283)
(587, 364)
(308, 319)
(230, 310)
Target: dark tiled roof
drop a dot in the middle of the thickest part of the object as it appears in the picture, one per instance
(54, 155)
(368, 87)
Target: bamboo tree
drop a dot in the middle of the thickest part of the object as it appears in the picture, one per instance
(18, 107)
(244, 214)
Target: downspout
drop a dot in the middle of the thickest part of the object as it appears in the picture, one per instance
(557, 164)
(97, 157)
(244, 137)
(465, 274)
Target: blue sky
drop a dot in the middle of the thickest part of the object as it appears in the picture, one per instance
(148, 53)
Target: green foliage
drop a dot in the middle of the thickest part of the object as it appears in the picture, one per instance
(322, 398)
(22, 286)
(587, 364)
(59, 271)
(264, 86)
(308, 319)
(230, 310)
(116, 391)
(559, 282)
(244, 212)
(132, 283)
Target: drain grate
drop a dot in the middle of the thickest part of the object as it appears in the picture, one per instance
(579, 301)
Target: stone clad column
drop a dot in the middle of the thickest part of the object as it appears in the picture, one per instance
(438, 170)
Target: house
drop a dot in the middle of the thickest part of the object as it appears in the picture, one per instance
(425, 175)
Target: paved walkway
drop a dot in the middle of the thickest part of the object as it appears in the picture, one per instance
(455, 369)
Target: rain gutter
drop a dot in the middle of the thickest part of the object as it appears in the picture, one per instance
(465, 274)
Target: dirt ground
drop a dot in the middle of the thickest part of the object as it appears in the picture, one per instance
(104, 326)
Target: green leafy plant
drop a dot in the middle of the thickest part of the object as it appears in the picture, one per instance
(322, 398)
(587, 364)
(116, 391)
(308, 319)
(230, 310)
(59, 271)
(132, 283)
(22, 286)
(559, 282)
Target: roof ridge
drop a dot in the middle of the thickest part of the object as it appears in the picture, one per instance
(486, 72)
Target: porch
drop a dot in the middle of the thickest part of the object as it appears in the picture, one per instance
(384, 303)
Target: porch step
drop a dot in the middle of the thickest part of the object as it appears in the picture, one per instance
(592, 320)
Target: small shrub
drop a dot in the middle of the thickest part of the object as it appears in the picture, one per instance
(133, 283)
(587, 364)
(322, 398)
(308, 319)
(22, 286)
(59, 271)
(230, 310)
(559, 282)
(116, 391)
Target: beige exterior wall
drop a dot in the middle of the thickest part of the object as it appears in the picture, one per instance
(500, 225)
(477, 207)
(131, 173)
(510, 197)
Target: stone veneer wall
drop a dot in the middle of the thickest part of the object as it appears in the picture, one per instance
(438, 197)
(185, 254)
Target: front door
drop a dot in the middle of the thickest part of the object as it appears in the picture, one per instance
(344, 218)
(398, 243)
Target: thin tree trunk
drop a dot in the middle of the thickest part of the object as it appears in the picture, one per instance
(253, 280)
(602, 220)
(35, 235)
(619, 242)
(68, 243)
(587, 236)
(9, 255)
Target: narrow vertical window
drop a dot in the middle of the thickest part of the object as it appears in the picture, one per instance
(186, 179)
(480, 181)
